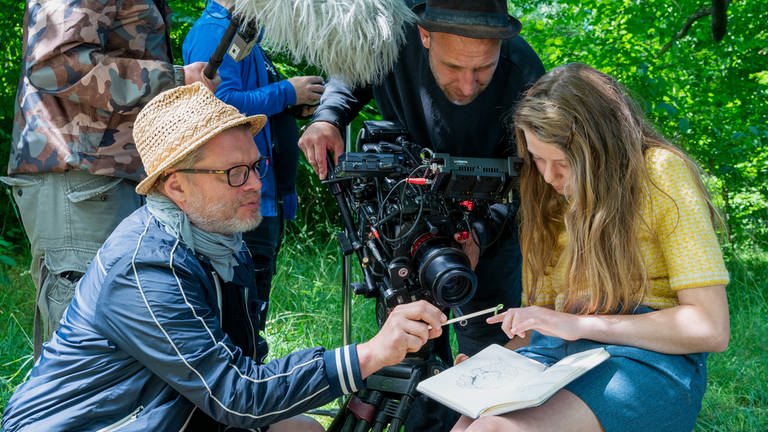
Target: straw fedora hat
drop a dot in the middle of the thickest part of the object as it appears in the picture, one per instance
(178, 121)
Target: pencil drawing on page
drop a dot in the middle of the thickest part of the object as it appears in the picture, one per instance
(489, 376)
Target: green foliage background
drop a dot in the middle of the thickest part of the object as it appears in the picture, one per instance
(12, 238)
(709, 97)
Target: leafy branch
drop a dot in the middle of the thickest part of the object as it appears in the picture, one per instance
(717, 11)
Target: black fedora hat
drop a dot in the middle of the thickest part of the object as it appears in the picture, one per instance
(479, 19)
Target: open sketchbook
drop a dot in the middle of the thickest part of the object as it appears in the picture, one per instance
(498, 380)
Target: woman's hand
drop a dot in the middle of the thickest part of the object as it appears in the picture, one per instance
(516, 322)
(700, 323)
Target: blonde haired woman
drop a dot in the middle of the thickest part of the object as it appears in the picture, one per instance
(619, 251)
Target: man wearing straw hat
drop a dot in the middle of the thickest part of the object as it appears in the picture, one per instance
(148, 340)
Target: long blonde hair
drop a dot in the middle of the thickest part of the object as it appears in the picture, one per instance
(590, 117)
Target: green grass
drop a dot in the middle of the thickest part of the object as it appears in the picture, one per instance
(737, 396)
(305, 306)
(17, 298)
(306, 311)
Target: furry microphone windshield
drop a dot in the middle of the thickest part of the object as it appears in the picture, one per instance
(356, 41)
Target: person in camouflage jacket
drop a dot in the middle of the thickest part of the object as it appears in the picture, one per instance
(88, 68)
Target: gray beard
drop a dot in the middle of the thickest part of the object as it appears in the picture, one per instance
(212, 218)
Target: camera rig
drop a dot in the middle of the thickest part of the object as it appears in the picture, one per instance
(401, 206)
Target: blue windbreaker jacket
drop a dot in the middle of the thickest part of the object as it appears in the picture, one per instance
(141, 347)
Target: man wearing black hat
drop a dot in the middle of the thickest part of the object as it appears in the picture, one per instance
(462, 68)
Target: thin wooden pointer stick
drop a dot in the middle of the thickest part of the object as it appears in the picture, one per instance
(462, 319)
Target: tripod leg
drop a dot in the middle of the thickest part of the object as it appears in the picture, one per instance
(358, 412)
(364, 412)
(388, 398)
(346, 420)
(339, 422)
(384, 416)
(403, 408)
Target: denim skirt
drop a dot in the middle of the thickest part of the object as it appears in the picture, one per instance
(635, 389)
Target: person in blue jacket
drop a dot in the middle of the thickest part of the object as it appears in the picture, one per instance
(145, 343)
(254, 86)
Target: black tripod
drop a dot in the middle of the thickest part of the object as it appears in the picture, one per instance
(388, 396)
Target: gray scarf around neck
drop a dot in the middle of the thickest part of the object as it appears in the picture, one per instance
(219, 248)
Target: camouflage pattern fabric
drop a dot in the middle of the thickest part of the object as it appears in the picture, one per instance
(88, 68)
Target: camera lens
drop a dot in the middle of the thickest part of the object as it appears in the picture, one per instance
(445, 271)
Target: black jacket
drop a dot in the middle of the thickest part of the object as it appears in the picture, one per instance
(409, 95)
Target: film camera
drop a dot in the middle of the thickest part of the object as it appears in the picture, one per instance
(401, 206)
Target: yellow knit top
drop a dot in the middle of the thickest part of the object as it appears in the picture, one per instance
(679, 246)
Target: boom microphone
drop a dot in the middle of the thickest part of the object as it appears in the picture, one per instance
(356, 41)
(237, 41)
(218, 55)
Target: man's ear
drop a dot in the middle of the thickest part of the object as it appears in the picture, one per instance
(424, 35)
(176, 189)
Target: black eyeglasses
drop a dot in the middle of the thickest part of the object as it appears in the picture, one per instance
(238, 174)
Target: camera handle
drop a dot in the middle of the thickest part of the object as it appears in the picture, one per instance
(352, 244)
(346, 271)
(349, 243)
(348, 238)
